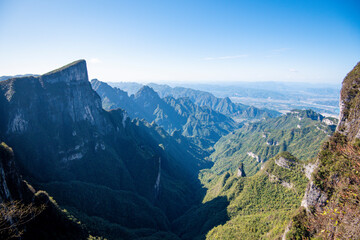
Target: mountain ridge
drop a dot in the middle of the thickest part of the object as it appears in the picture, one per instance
(204, 125)
(98, 151)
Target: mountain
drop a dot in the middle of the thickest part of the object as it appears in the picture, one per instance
(255, 207)
(300, 132)
(129, 87)
(115, 175)
(330, 207)
(25, 213)
(2, 78)
(239, 112)
(258, 179)
(280, 96)
(202, 124)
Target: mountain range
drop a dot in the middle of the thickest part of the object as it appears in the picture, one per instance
(200, 123)
(238, 111)
(102, 166)
(81, 160)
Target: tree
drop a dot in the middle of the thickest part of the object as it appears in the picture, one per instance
(14, 215)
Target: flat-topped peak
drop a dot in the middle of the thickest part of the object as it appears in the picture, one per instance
(72, 72)
(65, 67)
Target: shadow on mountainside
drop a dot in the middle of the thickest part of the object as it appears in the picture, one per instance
(200, 219)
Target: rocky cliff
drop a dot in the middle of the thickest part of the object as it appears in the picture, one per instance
(330, 207)
(99, 163)
(349, 124)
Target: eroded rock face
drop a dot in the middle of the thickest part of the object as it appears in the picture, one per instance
(283, 162)
(313, 197)
(240, 172)
(10, 183)
(54, 119)
(66, 91)
(309, 169)
(253, 155)
(349, 123)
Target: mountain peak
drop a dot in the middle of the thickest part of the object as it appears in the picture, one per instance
(147, 92)
(73, 72)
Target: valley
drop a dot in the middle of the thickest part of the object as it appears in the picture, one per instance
(162, 163)
(179, 120)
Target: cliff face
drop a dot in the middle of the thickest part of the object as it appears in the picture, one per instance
(28, 214)
(95, 161)
(10, 183)
(349, 124)
(330, 207)
(55, 116)
(66, 91)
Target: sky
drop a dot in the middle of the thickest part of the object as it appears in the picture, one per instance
(190, 41)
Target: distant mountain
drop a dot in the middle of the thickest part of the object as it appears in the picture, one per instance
(2, 78)
(225, 106)
(204, 125)
(129, 87)
(300, 132)
(115, 175)
(238, 111)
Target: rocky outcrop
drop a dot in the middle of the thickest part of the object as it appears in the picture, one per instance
(253, 155)
(309, 169)
(331, 198)
(240, 171)
(349, 123)
(313, 197)
(284, 162)
(11, 187)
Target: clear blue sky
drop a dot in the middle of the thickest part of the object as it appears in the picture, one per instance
(183, 40)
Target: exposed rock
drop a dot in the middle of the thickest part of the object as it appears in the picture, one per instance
(284, 163)
(240, 171)
(272, 143)
(349, 119)
(309, 169)
(273, 178)
(276, 179)
(10, 182)
(328, 121)
(287, 184)
(253, 155)
(287, 229)
(157, 183)
(313, 197)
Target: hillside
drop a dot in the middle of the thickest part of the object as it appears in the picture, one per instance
(25, 213)
(330, 208)
(256, 207)
(300, 132)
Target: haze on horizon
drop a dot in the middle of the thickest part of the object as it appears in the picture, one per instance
(183, 41)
